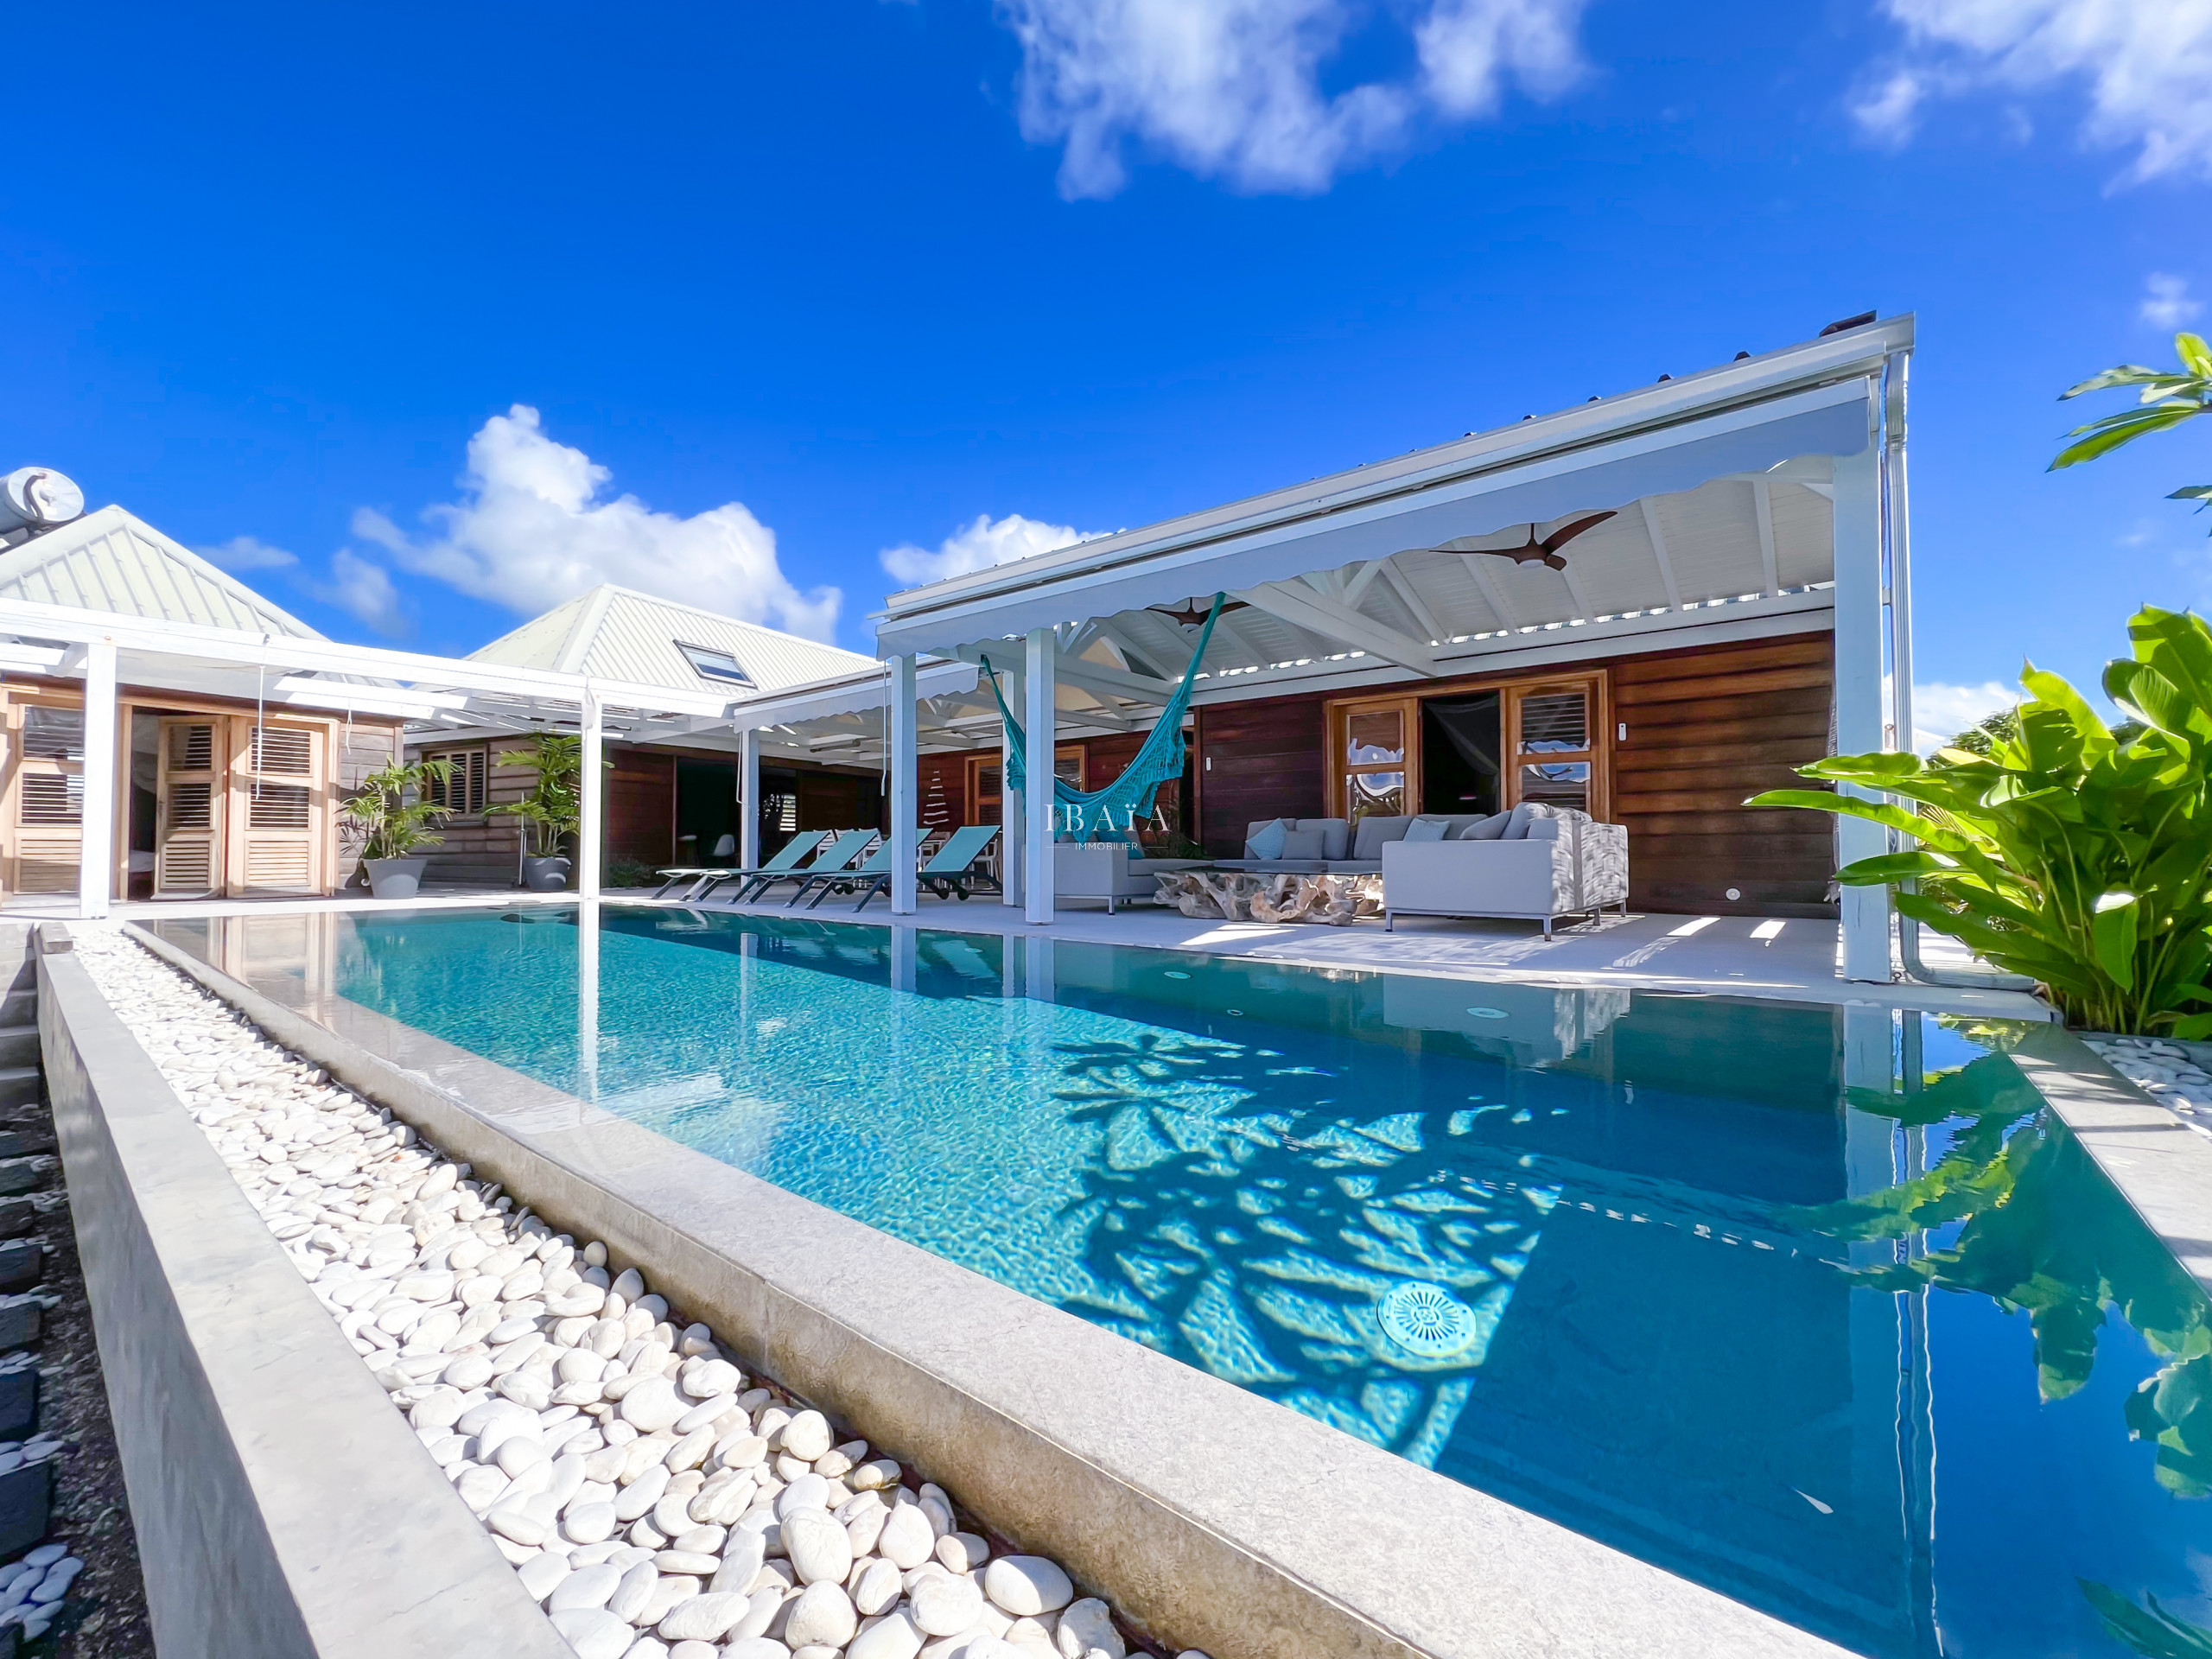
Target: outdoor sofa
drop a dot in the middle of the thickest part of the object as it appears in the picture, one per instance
(1111, 870)
(1536, 863)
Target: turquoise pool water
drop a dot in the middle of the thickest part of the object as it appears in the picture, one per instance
(1817, 1307)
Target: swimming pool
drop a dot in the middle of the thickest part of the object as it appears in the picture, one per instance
(1706, 1279)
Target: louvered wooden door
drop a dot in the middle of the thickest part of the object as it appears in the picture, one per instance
(190, 807)
(278, 809)
(47, 794)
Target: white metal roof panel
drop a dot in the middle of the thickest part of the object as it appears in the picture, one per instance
(617, 633)
(114, 562)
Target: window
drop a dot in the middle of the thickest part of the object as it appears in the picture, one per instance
(53, 733)
(1549, 728)
(463, 792)
(711, 665)
(1375, 747)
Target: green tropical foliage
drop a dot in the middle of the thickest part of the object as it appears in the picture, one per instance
(1979, 738)
(2166, 399)
(2149, 1629)
(392, 825)
(2074, 852)
(554, 807)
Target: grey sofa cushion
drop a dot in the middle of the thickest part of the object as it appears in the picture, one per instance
(1426, 830)
(1267, 840)
(1336, 835)
(1273, 866)
(1516, 826)
(1371, 835)
(1489, 829)
(1303, 844)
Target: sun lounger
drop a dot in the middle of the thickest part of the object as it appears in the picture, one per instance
(823, 884)
(838, 853)
(706, 878)
(947, 874)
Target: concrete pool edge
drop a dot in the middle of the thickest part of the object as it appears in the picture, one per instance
(1212, 1517)
(2161, 1166)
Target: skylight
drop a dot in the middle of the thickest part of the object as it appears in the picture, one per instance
(715, 664)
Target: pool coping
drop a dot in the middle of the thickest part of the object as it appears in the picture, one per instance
(1213, 1517)
(2160, 1165)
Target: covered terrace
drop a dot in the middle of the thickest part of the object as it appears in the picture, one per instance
(1730, 510)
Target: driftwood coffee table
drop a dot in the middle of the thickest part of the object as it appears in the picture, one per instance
(1247, 896)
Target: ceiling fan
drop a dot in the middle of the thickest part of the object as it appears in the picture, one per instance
(1533, 551)
(1193, 613)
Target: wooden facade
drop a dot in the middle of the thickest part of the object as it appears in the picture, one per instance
(1681, 739)
(213, 798)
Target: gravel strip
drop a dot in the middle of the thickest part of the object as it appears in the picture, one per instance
(656, 1502)
(2175, 1074)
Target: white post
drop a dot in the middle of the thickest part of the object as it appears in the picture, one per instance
(588, 998)
(1010, 814)
(1860, 715)
(1039, 724)
(96, 838)
(748, 796)
(904, 750)
(592, 793)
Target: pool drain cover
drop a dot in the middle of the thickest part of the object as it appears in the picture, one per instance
(1426, 1320)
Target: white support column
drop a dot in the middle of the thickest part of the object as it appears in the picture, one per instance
(588, 998)
(1011, 817)
(95, 844)
(748, 796)
(1860, 715)
(1039, 724)
(904, 753)
(592, 796)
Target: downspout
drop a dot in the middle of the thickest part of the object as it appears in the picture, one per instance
(1897, 521)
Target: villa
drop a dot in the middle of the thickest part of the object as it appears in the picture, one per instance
(966, 1271)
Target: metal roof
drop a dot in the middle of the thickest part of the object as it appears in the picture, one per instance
(1718, 481)
(618, 633)
(112, 561)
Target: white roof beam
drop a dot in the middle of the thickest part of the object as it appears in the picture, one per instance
(1363, 579)
(1302, 607)
(1659, 550)
(1762, 509)
(1493, 596)
(1400, 584)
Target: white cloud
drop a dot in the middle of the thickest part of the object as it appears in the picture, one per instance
(2166, 303)
(1941, 711)
(531, 530)
(978, 546)
(1230, 89)
(364, 590)
(2147, 65)
(245, 553)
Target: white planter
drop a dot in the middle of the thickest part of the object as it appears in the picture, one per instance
(546, 874)
(396, 878)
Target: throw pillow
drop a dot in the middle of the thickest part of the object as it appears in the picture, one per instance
(1374, 832)
(1528, 812)
(1303, 844)
(1267, 842)
(1488, 829)
(1425, 830)
(1336, 835)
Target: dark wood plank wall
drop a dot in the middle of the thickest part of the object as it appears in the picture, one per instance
(1707, 729)
(944, 789)
(1257, 760)
(641, 806)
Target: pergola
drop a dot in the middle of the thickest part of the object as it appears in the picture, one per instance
(1751, 499)
(279, 672)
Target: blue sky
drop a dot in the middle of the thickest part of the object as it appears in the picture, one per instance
(809, 285)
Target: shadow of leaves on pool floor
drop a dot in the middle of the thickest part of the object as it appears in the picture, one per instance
(1258, 1245)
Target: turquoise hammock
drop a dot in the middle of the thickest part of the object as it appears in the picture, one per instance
(1129, 796)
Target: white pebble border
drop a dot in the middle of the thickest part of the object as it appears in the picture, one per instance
(2175, 1074)
(654, 1503)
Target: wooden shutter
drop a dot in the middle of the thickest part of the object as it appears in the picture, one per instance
(279, 808)
(47, 797)
(1555, 743)
(189, 810)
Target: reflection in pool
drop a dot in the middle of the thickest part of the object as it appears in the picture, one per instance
(1815, 1305)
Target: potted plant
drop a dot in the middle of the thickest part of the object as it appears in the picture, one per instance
(393, 826)
(552, 811)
